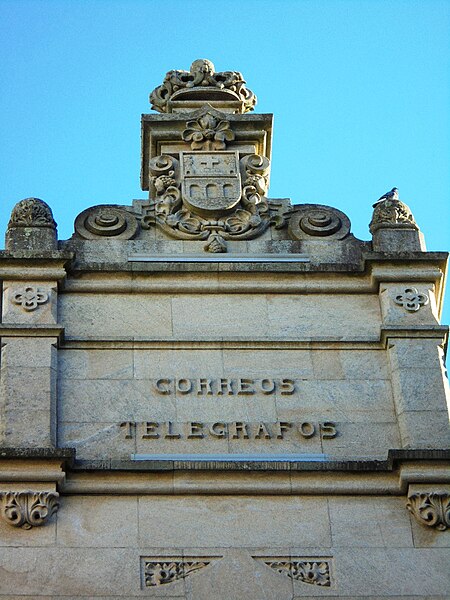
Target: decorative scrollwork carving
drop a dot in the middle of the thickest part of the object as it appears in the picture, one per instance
(161, 571)
(106, 220)
(411, 299)
(29, 297)
(208, 133)
(312, 571)
(431, 509)
(316, 220)
(28, 509)
(32, 212)
(202, 83)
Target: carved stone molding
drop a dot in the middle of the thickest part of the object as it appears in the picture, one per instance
(32, 212)
(213, 196)
(315, 571)
(431, 509)
(99, 222)
(411, 299)
(316, 220)
(157, 571)
(29, 297)
(203, 83)
(28, 509)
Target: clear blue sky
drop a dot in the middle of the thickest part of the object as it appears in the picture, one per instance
(360, 90)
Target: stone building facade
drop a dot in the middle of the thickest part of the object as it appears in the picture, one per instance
(212, 394)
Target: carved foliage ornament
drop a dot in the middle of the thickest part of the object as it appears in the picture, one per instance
(411, 299)
(210, 196)
(32, 212)
(29, 298)
(203, 83)
(391, 213)
(28, 509)
(315, 572)
(431, 509)
(106, 220)
(161, 571)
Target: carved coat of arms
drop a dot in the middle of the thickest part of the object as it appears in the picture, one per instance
(210, 182)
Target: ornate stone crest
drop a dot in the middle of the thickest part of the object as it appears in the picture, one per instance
(213, 196)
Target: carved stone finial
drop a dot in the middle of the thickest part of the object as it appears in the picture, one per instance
(32, 212)
(431, 509)
(31, 227)
(28, 509)
(391, 212)
(201, 84)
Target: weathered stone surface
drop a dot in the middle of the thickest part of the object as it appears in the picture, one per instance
(232, 395)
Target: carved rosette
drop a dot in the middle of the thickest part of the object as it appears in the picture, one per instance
(391, 213)
(202, 81)
(32, 212)
(431, 509)
(312, 571)
(161, 571)
(411, 299)
(103, 221)
(317, 221)
(212, 196)
(29, 298)
(208, 133)
(28, 509)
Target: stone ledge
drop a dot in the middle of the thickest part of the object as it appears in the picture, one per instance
(34, 330)
(394, 458)
(13, 453)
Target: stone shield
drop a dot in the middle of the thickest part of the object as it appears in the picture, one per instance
(211, 182)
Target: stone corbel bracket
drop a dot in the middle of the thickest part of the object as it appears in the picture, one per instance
(430, 508)
(27, 509)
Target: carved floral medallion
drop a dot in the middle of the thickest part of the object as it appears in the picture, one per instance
(29, 297)
(411, 299)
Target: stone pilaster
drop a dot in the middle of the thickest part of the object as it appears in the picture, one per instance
(414, 341)
(30, 271)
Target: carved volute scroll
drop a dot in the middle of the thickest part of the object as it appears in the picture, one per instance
(309, 221)
(102, 221)
(27, 509)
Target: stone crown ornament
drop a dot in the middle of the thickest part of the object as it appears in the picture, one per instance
(186, 90)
